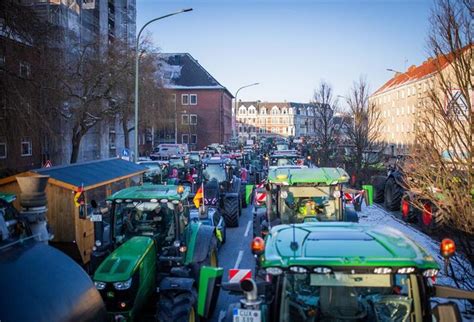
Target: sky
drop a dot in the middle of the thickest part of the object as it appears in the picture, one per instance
(289, 46)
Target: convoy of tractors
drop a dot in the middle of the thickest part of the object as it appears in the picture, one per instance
(156, 253)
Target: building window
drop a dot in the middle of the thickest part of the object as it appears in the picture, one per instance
(26, 147)
(242, 110)
(263, 111)
(3, 148)
(185, 119)
(24, 70)
(184, 99)
(193, 119)
(185, 138)
(194, 139)
(193, 99)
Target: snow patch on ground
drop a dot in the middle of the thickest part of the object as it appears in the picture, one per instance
(375, 215)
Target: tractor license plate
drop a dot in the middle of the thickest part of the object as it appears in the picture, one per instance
(242, 315)
(96, 217)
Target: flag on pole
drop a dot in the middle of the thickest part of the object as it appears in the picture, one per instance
(199, 196)
(79, 197)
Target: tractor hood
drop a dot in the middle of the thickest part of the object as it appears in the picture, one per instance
(343, 244)
(122, 263)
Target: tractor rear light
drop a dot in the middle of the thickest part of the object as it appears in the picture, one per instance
(99, 285)
(430, 272)
(298, 269)
(382, 270)
(273, 270)
(405, 270)
(258, 246)
(447, 248)
(322, 270)
(123, 285)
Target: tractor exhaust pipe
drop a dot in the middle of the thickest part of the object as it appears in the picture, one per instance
(251, 294)
(33, 202)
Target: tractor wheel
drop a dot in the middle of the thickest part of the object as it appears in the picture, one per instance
(408, 211)
(177, 306)
(431, 220)
(393, 195)
(378, 182)
(231, 212)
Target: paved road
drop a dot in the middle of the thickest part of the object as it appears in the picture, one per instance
(235, 253)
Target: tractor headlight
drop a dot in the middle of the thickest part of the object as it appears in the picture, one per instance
(176, 243)
(273, 270)
(99, 285)
(123, 285)
(98, 243)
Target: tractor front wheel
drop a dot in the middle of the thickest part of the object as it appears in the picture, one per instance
(177, 306)
(378, 182)
(393, 195)
(231, 212)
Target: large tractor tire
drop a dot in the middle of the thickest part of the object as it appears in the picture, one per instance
(431, 220)
(393, 195)
(231, 212)
(177, 306)
(409, 212)
(378, 182)
(211, 260)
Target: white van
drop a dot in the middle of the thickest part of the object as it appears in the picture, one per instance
(164, 151)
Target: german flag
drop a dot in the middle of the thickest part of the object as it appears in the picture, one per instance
(199, 197)
(79, 197)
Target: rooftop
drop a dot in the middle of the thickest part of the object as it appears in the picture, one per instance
(343, 244)
(293, 176)
(182, 71)
(148, 192)
(88, 174)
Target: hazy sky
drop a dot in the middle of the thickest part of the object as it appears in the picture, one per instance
(290, 45)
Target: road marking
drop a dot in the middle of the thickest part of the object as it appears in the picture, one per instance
(221, 316)
(239, 259)
(248, 229)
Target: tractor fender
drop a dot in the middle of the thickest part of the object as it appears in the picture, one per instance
(176, 283)
(231, 195)
(202, 243)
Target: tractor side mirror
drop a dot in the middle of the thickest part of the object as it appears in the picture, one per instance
(210, 279)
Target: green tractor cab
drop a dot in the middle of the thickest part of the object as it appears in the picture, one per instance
(155, 258)
(300, 194)
(343, 271)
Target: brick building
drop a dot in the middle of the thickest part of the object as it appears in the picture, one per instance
(203, 105)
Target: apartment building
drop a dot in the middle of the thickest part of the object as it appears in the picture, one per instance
(401, 100)
(257, 119)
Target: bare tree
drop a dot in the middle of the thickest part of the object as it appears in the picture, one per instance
(444, 172)
(87, 81)
(363, 129)
(327, 125)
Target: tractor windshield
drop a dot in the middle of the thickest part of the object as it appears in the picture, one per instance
(302, 203)
(143, 218)
(280, 162)
(340, 296)
(215, 171)
(177, 163)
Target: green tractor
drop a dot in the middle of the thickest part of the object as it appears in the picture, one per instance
(300, 194)
(343, 272)
(161, 257)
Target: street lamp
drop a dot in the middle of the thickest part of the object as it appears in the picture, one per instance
(235, 106)
(136, 72)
